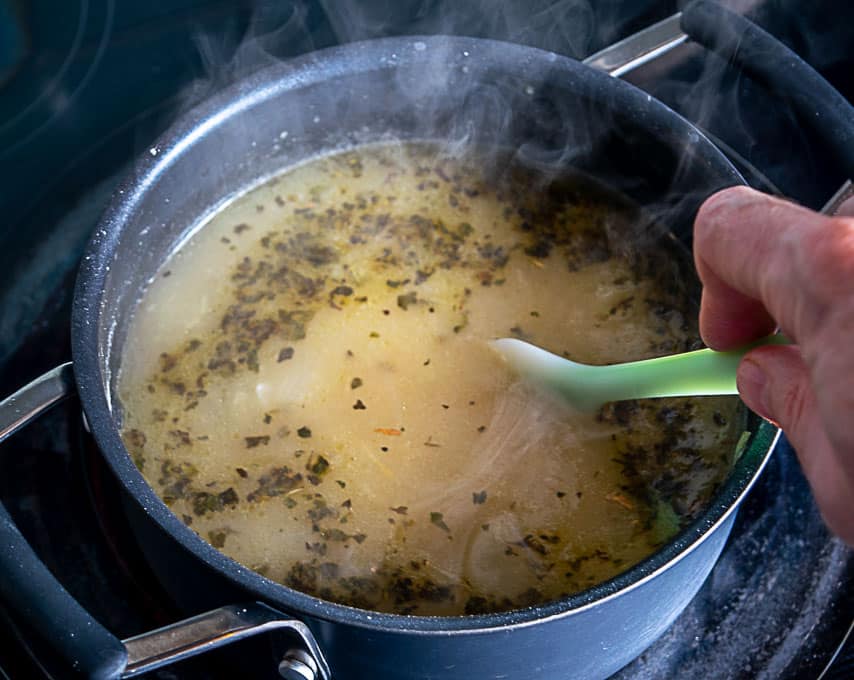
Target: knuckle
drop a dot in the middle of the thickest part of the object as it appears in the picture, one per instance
(828, 260)
(827, 347)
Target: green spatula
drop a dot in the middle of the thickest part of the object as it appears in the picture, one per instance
(703, 372)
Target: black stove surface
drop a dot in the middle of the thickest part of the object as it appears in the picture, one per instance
(84, 88)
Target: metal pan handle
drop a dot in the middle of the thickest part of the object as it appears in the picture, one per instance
(34, 399)
(196, 635)
(27, 587)
(759, 54)
(780, 70)
(36, 598)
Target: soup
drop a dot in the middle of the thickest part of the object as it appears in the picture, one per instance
(308, 384)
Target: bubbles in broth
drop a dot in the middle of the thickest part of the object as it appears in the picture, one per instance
(308, 385)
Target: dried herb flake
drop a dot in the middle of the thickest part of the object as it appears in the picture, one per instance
(438, 519)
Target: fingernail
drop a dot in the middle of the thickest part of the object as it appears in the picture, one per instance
(752, 385)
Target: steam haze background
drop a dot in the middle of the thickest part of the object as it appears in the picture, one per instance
(135, 66)
(702, 87)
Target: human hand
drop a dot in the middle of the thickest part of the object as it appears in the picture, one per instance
(765, 262)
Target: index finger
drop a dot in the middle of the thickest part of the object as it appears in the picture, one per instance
(762, 261)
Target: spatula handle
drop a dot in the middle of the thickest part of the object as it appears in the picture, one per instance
(703, 372)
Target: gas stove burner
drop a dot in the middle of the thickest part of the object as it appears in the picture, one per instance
(42, 90)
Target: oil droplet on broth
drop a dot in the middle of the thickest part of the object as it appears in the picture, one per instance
(312, 391)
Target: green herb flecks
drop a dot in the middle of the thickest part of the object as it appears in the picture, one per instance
(437, 519)
(317, 465)
(275, 482)
(204, 502)
(407, 300)
(216, 537)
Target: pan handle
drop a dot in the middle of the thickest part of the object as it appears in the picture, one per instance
(220, 627)
(28, 587)
(37, 599)
(780, 70)
(29, 402)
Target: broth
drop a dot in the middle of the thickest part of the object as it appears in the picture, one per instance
(308, 384)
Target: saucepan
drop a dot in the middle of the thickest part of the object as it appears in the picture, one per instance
(471, 91)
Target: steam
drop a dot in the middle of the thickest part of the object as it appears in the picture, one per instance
(275, 32)
(566, 26)
(701, 87)
(741, 116)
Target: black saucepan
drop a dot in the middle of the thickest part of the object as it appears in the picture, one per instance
(554, 112)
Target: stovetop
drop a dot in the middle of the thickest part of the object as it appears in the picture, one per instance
(85, 86)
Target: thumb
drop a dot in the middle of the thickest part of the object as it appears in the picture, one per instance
(775, 383)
